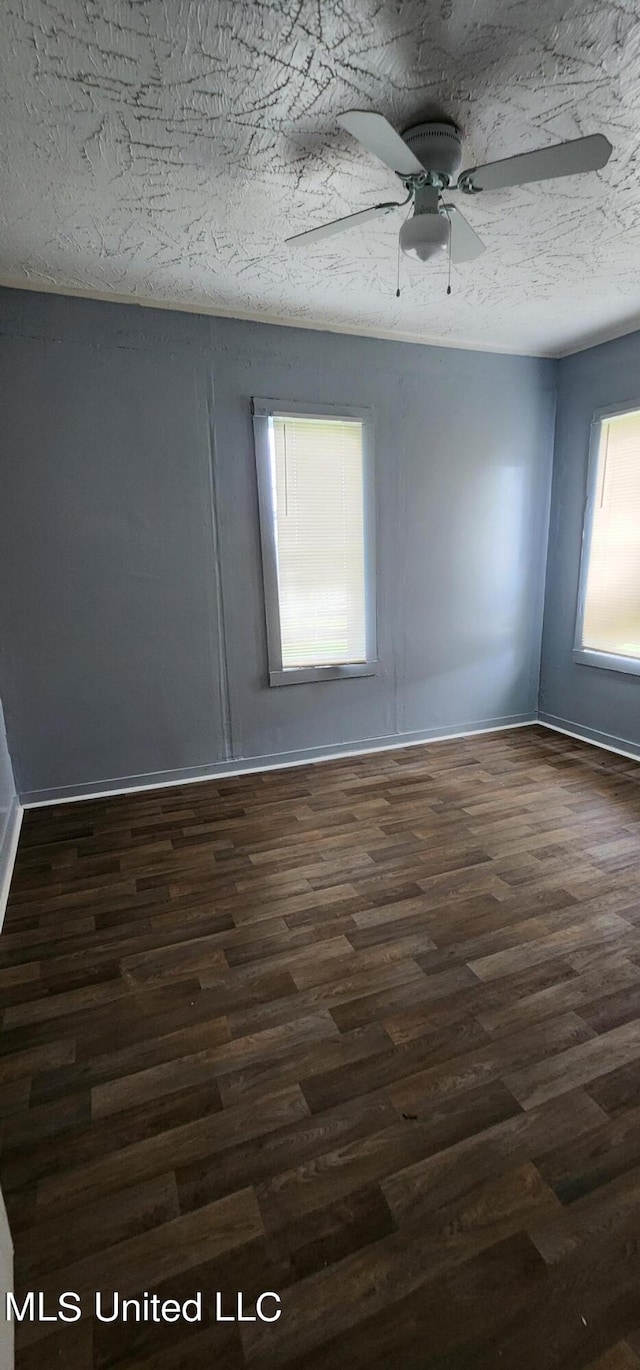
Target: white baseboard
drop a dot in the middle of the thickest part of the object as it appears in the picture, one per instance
(607, 742)
(70, 794)
(8, 854)
(162, 780)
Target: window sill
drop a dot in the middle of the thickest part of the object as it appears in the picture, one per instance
(607, 661)
(306, 675)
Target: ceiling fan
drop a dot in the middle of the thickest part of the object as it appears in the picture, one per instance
(427, 159)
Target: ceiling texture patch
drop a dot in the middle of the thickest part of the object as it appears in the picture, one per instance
(163, 152)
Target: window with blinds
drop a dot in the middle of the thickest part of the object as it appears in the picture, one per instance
(611, 576)
(314, 499)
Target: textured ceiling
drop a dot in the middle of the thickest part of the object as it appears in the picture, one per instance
(162, 151)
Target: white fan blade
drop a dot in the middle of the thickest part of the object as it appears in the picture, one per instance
(337, 225)
(563, 159)
(465, 243)
(380, 138)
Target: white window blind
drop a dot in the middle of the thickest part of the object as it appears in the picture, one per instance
(611, 617)
(317, 480)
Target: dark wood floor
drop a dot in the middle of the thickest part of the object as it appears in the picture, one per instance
(366, 1034)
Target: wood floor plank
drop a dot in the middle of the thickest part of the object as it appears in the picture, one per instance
(365, 1033)
(618, 1357)
(172, 1247)
(174, 1075)
(412, 1328)
(578, 1065)
(431, 1182)
(101, 1224)
(177, 1146)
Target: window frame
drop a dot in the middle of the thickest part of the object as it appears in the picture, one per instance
(262, 411)
(590, 656)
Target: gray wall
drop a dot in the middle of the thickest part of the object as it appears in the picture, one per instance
(111, 657)
(602, 704)
(6, 1285)
(132, 614)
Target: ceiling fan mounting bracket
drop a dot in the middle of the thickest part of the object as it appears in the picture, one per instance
(466, 185)
(416, 181)
(438, 147)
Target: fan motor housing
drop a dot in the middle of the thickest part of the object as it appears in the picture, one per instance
(437, 146)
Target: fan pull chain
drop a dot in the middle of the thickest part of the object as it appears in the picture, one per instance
(409, 202)
(449, 251)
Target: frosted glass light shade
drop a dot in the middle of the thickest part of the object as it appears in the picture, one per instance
(425, 235)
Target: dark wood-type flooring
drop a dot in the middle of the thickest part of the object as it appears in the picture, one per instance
(366, 1034)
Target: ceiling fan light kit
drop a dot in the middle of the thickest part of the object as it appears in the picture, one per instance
(425, 236)
(427, 159)
(427, 233)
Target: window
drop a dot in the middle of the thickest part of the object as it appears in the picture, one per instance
(315, 485)
(608, 626)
